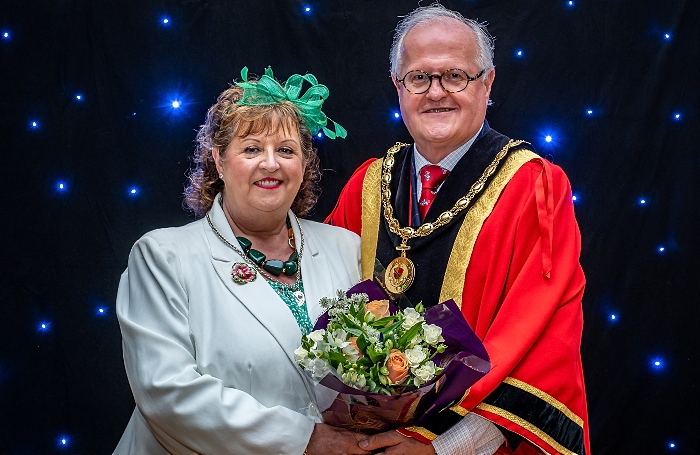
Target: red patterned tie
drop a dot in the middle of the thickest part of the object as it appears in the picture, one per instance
(431, 177)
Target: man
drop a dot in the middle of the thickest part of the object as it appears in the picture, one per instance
(498, 236)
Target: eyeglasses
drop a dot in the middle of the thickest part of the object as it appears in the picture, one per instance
(453, 80)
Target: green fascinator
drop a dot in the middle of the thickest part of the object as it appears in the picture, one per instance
(267, 90)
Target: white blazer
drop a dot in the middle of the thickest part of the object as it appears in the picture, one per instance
(210, 362)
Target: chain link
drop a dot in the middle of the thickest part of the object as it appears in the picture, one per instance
(446, 217)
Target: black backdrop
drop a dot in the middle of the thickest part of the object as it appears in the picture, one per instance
(618, 97)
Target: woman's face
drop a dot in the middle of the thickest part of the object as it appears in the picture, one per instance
(262, 173)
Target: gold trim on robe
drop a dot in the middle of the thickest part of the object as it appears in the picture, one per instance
(526, 425)
(453, 283)
(544, 396)
(371, 213)
(423, 432)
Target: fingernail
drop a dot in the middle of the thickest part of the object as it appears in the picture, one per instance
(364, 444)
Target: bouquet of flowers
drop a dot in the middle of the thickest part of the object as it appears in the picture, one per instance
(378, 368)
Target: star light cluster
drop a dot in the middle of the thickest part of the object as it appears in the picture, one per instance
(176, 104)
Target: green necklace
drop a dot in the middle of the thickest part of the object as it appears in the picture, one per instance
(274, 266)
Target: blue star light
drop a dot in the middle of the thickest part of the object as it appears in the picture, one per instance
(677, 116)
(657, 363)
(519, 53)
(175, 103)
(549, 137)
(61, 186)
(397, 115)
(613, 317)
(574, 198)
(661, 249)
(307, 10)
(101, 311)
(133, 191)
(44, 326)
(79, 97)
(642, 201)
(671, 445)
(5, 35)
(589, 112)
(667, 36)
(34, 125)
(63, 441)
(570, 3)
(165, 21)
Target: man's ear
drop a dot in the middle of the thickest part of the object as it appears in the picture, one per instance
(393, 81)
(488, 82)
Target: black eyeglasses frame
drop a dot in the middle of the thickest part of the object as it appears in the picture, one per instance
(439, 78)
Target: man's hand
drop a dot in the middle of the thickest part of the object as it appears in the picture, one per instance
(396, 444)
(328, 440)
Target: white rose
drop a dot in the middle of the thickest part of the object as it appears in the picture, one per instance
(414, 355)
(433, 334)
(316, 335)
(424, 373)
(300, 354)
(411, 318)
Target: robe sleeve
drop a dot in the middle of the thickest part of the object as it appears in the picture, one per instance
(522, 295)
(348, 210)
(188, 412)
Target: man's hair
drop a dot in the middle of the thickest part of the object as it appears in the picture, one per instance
(438, 13)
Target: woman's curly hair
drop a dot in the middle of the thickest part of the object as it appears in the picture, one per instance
(226, 120)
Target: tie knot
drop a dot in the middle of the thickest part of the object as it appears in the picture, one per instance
(431, 176)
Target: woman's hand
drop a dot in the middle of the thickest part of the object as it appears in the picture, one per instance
(328, 440)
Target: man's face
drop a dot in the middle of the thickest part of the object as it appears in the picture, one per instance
(439, 121)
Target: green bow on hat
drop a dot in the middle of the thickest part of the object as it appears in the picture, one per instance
(267, 90)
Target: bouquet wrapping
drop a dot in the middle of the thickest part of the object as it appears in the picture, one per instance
(377, 368)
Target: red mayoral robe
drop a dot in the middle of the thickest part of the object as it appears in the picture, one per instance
(511, 262)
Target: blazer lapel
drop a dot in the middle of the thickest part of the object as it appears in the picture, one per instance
(257, 296)
(314, 266)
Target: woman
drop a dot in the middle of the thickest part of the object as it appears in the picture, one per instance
(211, 312)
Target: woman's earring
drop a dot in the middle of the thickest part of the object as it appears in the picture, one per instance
(221, 176)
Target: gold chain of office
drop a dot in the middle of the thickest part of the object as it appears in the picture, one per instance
(401, 271)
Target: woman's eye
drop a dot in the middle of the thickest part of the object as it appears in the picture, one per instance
(286, 151)
(251, 149)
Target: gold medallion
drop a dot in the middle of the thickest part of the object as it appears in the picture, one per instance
(401, 271)
(399, 275)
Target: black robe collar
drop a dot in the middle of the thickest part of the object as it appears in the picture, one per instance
(430, 254)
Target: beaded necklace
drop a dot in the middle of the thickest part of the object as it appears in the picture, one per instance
(291, 294)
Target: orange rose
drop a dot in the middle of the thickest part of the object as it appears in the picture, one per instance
(379, 308)
(353, 343)
(397, 364)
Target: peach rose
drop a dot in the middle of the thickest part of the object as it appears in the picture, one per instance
(397, 364)
(353, 343)
(379, 308)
